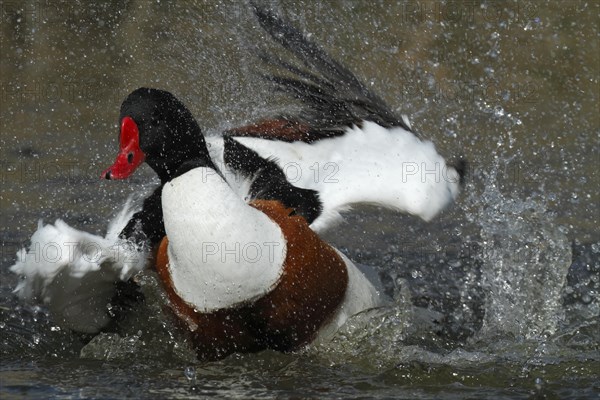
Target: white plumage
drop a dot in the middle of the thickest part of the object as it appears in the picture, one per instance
(366, 165)
(360, 295)
(74, 272)
(222, 251)
(209, 225)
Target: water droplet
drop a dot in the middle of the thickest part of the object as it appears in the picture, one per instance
(498, 111)
(586, 298)
(190, 373)
(569, 290)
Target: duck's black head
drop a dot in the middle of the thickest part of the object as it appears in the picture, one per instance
(157, 128)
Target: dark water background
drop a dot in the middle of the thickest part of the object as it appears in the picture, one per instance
(496, 298)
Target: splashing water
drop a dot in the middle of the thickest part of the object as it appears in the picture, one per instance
(525, 260)
(481, 307)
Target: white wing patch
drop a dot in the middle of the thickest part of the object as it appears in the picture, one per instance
(369, 164)
(74, 272)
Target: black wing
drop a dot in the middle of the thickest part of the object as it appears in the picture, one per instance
(269, 181)
(146, 227)
(333, 97)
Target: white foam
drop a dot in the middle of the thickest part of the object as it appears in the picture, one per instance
(74, 272)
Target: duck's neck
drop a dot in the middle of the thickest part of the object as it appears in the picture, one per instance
(185, 144)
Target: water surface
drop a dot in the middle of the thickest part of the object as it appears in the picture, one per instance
(498, 297)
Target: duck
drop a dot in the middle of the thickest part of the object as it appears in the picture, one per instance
(234, 239)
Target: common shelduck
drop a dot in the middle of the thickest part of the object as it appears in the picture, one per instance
(238, 247)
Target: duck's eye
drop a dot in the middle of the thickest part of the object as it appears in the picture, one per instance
(130, 157)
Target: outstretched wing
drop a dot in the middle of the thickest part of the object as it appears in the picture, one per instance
(370, 155)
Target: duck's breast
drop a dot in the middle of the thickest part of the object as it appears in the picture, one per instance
(222, 252)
